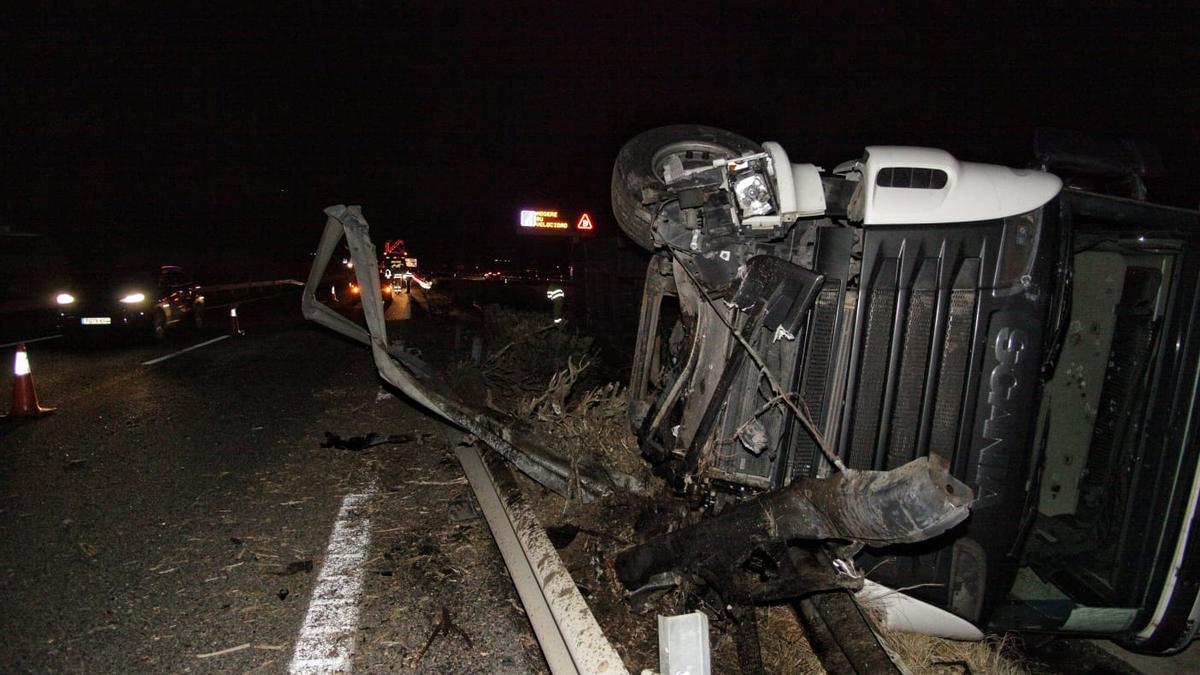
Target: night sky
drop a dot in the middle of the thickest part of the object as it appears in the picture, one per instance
(224, 133)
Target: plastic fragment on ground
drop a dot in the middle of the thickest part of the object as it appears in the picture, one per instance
(683, 645)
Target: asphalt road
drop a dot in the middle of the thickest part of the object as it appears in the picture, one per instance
(177, 515)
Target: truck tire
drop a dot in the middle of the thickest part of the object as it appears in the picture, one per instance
(639, 165)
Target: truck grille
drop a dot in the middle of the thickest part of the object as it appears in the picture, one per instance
(816, 374)
(910, 354)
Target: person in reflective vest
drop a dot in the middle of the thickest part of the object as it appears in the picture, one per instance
(558, 298)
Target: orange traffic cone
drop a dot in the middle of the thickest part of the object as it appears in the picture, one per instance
(24, 398)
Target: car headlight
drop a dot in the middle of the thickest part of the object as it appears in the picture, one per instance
(753, 194)
(64, 299)
(133, 298)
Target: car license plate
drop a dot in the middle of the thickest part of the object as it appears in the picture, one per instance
(96, 320)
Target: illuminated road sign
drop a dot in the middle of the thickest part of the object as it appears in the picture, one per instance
(543, 220)
(553, 222)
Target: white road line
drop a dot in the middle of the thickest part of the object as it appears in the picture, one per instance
(326, 642)
(183, 351)
(30, 341)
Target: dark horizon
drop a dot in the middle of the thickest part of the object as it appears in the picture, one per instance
(228, 133)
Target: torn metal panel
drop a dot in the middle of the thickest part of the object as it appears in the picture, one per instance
(915, 502)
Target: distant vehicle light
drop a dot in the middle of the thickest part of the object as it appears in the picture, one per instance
(354, 289)
(64, 299)
(133, 298)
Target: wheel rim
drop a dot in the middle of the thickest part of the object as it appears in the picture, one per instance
(693, 155)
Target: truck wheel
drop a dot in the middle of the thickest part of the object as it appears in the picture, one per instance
(638, 171)
(160, 326)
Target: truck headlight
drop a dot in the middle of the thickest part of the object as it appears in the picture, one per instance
(753, 195)
(64, 299)
(1018, 248)
(133, 298)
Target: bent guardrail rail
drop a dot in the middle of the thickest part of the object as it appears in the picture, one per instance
(571, 640)
(412, 376)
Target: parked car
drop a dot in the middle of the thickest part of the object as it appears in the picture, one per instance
(1037, 340)
(139, 300)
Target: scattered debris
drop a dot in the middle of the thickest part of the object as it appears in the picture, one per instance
(372, 439)
(223, 652)
(753, 436)
(444, 627)
(461, 480)
(462, 509)
(296, 567)
(74, 465)
(562, 535)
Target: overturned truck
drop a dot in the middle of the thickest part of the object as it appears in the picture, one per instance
(972, 381)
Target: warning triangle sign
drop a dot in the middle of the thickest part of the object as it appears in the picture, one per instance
(585, 222)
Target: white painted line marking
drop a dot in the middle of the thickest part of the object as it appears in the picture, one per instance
(183, 351)
(30, 341)
(319, 666)
(326, 642)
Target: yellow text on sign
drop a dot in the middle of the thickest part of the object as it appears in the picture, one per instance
(543, 220)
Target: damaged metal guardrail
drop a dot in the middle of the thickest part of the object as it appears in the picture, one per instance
(412, 376)
(571, 640)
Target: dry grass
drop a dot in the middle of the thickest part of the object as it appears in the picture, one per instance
(925, 654)
(544, 374)
(784, 647)
(785, 650)
(595, 426)
(524, 350)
